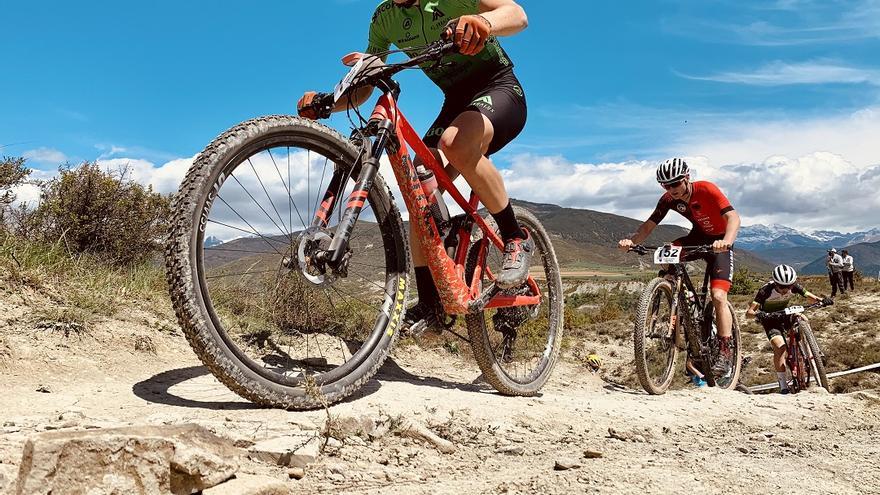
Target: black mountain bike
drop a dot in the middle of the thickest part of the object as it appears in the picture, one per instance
(672, 316)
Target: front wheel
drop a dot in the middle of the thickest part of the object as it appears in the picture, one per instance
(270, 322)
(812, 353)
(654, 337)
(516, 348)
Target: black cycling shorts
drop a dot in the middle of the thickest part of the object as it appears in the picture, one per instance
(501, 100)
(719, 265)
(772, 329)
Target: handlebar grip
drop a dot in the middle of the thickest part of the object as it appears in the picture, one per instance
(322, 104)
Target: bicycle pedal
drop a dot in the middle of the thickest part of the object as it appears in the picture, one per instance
(416, 329)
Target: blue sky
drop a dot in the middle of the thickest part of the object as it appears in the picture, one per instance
(782, 92)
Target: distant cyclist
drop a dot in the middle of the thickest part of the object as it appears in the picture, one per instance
(483, 110)
(714, 222)
(775, 296)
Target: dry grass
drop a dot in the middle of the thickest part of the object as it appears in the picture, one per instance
(80, 288)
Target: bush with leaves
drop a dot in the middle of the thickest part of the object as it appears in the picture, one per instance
(745, 283)
(101, 212)
(13, 173)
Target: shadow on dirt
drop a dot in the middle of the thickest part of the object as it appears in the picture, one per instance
(206, 393)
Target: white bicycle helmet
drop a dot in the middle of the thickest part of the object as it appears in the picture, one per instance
(784, 275)
(672, 170)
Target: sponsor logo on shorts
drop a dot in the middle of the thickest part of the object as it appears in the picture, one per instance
(518, 90)
(484, 102)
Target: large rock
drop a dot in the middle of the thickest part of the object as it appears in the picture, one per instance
(139, 459)
(249, 484)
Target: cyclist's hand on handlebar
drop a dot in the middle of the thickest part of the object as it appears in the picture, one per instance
(304, 106)
(314, 105)
(721, 245)
(760, 316)
(625, 244)
(827, 301)
(469, 32)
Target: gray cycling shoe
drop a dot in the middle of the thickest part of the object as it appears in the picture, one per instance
(516, 261)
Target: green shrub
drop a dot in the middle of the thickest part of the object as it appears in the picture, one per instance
(105, 213)
(745, 282)
(12, 173)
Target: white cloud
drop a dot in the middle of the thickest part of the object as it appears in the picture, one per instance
(852, 136)
(164, 178)
(45, 156)
(781, 73)
(805, 22)
(816, 191)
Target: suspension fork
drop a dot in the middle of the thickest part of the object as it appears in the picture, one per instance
(369, 167)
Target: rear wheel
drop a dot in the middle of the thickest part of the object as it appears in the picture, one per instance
(270, 323)
(516, 348)
(654, 337)
(812, 353)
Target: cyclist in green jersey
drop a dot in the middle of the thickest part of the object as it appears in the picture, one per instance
(484, 109)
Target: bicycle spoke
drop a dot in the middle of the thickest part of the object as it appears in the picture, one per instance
(282, 230)
(268, 240)
(287, 188)
(215, 277)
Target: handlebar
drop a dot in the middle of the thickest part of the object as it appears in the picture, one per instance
(642, 250)
(323, 103)
(782, 312)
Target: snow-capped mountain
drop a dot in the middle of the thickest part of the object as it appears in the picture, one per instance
(763, 237)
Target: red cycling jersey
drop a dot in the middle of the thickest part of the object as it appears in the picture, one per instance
(705, 210)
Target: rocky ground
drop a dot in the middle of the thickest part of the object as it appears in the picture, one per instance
(427, 425)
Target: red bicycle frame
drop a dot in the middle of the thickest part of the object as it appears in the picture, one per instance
(457, 295)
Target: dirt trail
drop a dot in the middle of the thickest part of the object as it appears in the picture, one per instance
(686, 441)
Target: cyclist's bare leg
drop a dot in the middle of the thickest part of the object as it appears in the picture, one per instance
(778, 344)
(465, 143)
(722, 312)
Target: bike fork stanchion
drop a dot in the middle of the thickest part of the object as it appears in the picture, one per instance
(369, 168)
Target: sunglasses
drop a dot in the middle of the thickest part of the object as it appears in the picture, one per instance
(673, 185)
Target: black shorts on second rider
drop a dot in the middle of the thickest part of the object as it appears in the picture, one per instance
(501, 100)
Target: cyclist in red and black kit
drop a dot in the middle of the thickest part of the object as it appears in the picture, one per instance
(484, 108)
(714, 222)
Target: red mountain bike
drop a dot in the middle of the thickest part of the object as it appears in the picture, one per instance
(803, 356)
(288, 261)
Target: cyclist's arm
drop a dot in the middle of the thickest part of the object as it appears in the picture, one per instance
(799, 290)
(733, 222)
(753, 309)
(643, 231)
(506, 16)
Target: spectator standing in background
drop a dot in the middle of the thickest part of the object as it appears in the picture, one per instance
(835, 266)
(848, 270)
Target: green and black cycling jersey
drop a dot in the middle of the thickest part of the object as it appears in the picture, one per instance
(769, 299)
(421, 24)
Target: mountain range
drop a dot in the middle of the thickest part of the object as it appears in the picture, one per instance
(806, 250)
(583, 239)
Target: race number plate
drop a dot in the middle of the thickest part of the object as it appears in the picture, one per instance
(667, 254)
(345, 83)
(793, 310)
